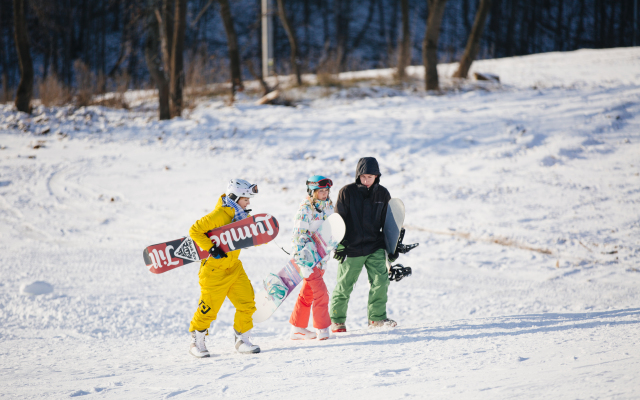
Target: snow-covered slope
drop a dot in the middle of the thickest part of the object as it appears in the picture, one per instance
(525, 201)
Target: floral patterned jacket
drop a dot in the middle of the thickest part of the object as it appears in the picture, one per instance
(308, 219)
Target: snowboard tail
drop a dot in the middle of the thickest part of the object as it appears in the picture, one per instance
(393, 237)
(392, 224)
(163, 257)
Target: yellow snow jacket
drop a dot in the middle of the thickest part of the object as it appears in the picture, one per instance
(218, 217)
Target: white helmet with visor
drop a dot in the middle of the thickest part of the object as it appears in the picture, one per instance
(240, 188)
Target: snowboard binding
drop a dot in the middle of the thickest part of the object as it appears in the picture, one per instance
(404, 248)
(398, 271)
(275, 288)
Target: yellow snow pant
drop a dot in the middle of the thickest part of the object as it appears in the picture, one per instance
(217, 284)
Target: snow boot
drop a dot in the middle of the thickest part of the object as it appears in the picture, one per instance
(323, 334)
(243, 343)
(337, 327)
(198, 348)
(301, 334)
(385, 323)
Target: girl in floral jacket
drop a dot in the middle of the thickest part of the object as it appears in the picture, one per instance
(311, 214)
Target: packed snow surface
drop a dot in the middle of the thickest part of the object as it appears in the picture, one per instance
(525, 199)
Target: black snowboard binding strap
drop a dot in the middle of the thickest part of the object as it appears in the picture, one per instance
(404, 248)
(398, 271)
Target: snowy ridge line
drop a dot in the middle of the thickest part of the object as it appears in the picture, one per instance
(503, 241)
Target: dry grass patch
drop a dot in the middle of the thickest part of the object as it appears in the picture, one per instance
(115, 99)
(85, 84)
(53, 92)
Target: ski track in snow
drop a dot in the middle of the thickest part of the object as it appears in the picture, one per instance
(525, 201)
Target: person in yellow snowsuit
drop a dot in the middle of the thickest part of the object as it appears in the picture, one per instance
(222, 274)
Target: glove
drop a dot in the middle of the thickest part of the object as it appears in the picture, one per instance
(217, 252)
(393, 257)
(340, 253)
(306, 258)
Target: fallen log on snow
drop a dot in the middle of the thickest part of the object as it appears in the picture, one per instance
(483, 76)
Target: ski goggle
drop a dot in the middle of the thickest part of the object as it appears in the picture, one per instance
(322, 183)
(254, 188)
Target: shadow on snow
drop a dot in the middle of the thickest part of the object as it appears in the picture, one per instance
(488, 327)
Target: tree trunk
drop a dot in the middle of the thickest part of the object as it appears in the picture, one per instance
(473, 44)
(126, 46)
(132, 66)
(5, 87)
(390, 35)
(307, 38)
(154, 64)
(511, 26)
(176, 81)
(340, 37)
(365, 26)
(610, 25)
(523, 44)
(4, 63)
(166, 27)
(291, 34)
(559, 39)
(535, 15)
(577, 43)
(465, 17)
(622, 26)
(232, 43)
(323, 7)
(599, 13)
(404, 55)
(343, 16)
(430, 43)
(81, 43)
(25, 87)
(103, 41)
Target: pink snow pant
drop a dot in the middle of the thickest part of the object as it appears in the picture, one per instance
(313, 291)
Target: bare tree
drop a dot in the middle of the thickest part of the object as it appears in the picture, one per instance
(342, 12)
(365, 27)
(559, 39)
(153, 58)
(4, 63)
(404, 55)
(176, 81)
(25, 87)
(430, 43)
(293, 42)
(473, 44)
(232, 43)
(166, 26)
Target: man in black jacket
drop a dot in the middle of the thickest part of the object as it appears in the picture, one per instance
(363, 207)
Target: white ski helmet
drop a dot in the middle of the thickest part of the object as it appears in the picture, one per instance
(240, 188)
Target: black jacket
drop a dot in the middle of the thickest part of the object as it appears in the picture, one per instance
(363, 211)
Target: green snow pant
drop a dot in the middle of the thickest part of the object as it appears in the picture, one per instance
(348, 273)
